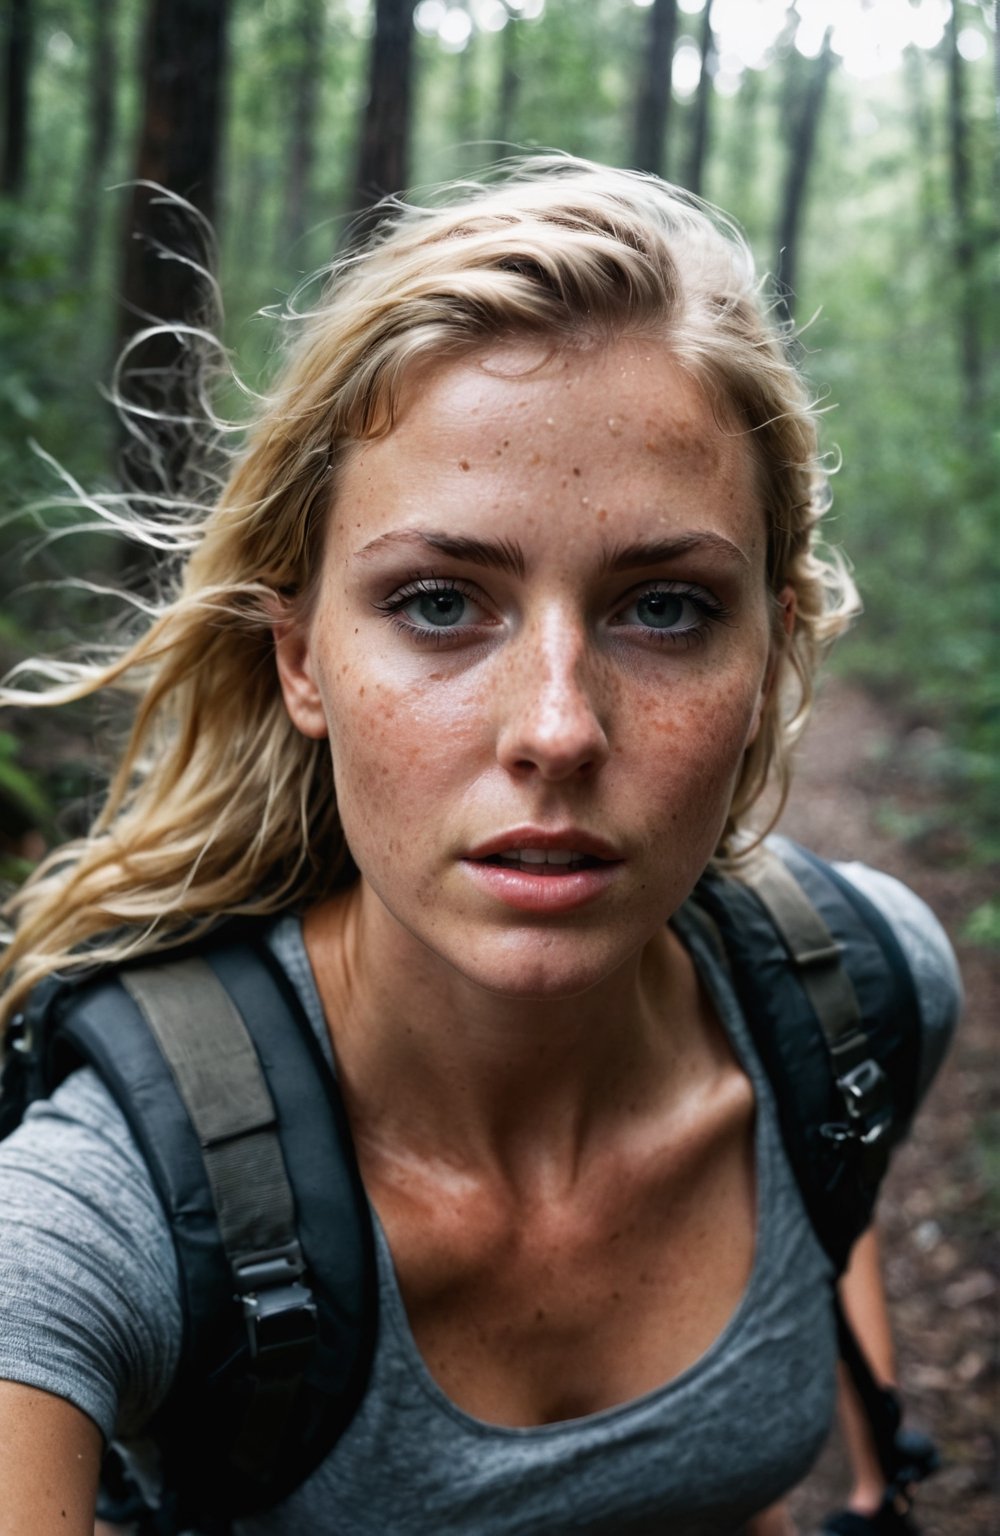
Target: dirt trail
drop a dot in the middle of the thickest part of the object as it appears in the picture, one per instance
(859, 770)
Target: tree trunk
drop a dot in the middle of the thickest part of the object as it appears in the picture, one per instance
(383, 159)
(183, 72)
(304, 85)
(102, 79)
(695, 176)
(801, 147)
(17, 76)
(743, 141)
(915, 78)
(464, 115)
(996, 93)
(652, 123)
(510, 80)
(963, 214)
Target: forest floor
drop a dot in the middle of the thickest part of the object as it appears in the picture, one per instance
(858, 783)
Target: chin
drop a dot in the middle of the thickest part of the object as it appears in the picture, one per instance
(545, 968)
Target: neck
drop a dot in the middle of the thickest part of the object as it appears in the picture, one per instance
(433, 1066)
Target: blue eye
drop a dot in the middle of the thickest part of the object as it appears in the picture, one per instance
(671, 613)
(666, 611)
(442, 608)
(661, 610)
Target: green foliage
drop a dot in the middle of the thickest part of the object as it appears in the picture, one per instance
(986, 1132)
(916, 500)
(19, 791)
(983, 925)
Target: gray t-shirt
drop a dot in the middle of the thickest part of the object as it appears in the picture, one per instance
(90, 1311)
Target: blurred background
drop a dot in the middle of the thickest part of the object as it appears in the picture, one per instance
(857, 143)
(855, 140)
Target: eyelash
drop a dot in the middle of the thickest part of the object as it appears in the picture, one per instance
(711, 609)
(712, 612)
(422, 586)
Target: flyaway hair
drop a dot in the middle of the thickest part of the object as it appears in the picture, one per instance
(218, 805)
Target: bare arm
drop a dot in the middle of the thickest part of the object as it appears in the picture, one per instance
(863, 1296)
(862, 1292)
(49, 1467)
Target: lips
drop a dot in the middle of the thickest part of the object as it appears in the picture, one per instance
(541, 849)
(544, 861)
(543, 871)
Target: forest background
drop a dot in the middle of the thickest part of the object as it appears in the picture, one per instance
(855, 140)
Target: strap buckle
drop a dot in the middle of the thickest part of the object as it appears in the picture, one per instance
(279, 1308)
(864, 1090)
(20, 1036)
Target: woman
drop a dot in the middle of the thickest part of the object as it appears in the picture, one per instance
(503, 622)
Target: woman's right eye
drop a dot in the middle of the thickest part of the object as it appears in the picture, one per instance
(441, 609)
(431, 608)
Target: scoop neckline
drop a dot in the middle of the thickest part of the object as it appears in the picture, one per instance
(392, 1306)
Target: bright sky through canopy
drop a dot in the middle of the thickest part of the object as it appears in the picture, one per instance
(868, 36)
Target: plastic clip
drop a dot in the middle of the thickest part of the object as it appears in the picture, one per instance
(279, 1309)
(866, 1097)
(20, 1037)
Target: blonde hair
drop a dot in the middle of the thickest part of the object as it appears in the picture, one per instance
(219, 806)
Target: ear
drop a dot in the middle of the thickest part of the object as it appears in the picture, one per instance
(783, 629)
(788, 603)
(296, 674)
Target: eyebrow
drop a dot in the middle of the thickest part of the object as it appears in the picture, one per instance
(628, 557)
(498, 554)
(507, 555)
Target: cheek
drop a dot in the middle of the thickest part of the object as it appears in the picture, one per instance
(694, 744)
(398, 749)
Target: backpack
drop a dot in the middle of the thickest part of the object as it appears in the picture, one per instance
(219, 1073)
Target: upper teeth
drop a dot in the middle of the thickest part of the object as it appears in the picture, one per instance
(545, 855)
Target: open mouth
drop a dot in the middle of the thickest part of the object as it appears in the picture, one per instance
(544, 861)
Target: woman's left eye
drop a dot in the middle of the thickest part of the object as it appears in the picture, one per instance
(441, 610)
(670, 611)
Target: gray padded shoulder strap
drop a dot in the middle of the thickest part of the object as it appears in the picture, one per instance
(819, 963)
(219, 1077)
(814, 950)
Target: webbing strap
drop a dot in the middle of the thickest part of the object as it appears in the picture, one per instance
(816, 955)
(860, 1079)
(219, 1077)
(881, 1404)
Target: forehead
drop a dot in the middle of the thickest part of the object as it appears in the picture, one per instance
(618, 442)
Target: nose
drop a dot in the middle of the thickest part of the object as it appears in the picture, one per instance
(550, 721)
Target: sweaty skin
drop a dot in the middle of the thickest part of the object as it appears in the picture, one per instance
(547, 711)
(542, 615)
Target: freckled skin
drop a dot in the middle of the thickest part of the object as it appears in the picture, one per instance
(554, 716)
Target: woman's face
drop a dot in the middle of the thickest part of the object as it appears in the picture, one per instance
(539, 649)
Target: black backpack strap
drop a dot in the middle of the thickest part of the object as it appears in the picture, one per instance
(830, 1004)
(880, 1404)
(897, 972)
(818, 959)
(218, 1075)
(838, 975)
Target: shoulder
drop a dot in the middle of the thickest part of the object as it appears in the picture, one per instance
(928, 953)
(91, 1306)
